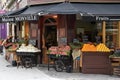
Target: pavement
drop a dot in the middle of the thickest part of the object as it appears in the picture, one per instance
(8, 72)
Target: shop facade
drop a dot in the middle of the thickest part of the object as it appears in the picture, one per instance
(55, 25)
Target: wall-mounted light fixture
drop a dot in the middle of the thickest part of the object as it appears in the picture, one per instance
(55, 16)
(42, 13)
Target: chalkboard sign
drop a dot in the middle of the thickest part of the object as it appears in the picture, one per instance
(33, 42)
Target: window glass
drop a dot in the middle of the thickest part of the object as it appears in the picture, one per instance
(112, 34)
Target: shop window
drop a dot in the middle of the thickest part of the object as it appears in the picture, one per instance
(112, 34)
(33, 30)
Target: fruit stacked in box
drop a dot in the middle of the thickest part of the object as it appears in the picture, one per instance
(99, 48)
(61, 50)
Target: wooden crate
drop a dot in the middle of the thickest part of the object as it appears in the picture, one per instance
(116, 70)
(96, 63)
(116, 65)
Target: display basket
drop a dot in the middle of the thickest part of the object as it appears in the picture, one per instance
(60, 62)
(60, 57)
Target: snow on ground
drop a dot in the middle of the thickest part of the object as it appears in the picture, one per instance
(42, 73)
(12, 73)
(77, 76)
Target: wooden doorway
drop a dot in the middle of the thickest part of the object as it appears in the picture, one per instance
(49, 35)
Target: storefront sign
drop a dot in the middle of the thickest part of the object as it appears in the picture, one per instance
(23, 18)
(101, 18)
(107, 18)
(7, 19)
(19, 18)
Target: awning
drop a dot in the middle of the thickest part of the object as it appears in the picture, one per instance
(99, 9)
(26, 13)
(63, 8)
(55, 8)
(29, 10)
(88, 9)
(35, 9)
(16, 12)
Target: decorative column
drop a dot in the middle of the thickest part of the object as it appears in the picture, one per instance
(13, 32)
(23, 29)
(104, 32)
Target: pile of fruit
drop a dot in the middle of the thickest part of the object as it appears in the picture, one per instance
(91, 47)
(88, 47)
(61, 50)
(102, 47)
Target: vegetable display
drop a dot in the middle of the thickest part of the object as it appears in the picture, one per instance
(61, 50)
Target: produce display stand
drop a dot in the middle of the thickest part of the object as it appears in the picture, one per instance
(60, 56)
(115, 65)
(96, 63)
(26, 57)
(60, 62)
